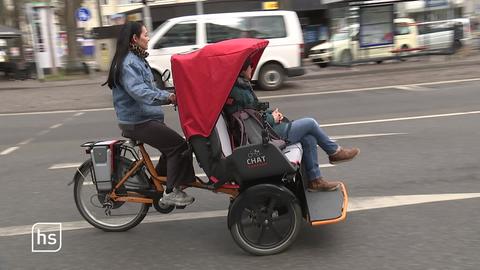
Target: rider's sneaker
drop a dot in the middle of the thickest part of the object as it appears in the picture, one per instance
(177, 197)
(321, 185)
(343, 154)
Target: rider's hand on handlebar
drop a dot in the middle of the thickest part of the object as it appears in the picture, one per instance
(173, 99)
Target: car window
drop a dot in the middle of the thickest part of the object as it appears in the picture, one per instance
(267, 27)
(182, 34)
(340, 36)
(402, 29)
(223, 29)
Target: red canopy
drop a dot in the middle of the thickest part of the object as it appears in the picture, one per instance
(204, 78)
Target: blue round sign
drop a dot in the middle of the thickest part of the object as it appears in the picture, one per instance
(83, 14)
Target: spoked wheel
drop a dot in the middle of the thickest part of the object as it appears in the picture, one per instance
(266, 220)
(106, 214)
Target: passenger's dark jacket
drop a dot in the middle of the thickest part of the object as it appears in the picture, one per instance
(242, 97)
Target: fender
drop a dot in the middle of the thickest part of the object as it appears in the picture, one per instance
(78, 173)
(237, 205)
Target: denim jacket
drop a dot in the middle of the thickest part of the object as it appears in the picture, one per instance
(136, 99)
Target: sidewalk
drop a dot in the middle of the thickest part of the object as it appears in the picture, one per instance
(312, 71)
(97, 78)
(390, 66)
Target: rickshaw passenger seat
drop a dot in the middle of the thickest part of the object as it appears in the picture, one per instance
(293, 153)
(222, 131)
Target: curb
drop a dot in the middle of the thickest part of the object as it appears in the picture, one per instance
(389, 70)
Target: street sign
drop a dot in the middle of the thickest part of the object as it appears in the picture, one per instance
(83, 14)
(436, 3)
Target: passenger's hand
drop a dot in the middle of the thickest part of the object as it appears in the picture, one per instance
(277, 116)
(173, 99)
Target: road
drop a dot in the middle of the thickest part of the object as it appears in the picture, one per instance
(418, 132)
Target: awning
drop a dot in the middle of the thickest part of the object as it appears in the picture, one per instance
(8, 32)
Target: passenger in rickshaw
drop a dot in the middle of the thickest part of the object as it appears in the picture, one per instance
(304, 130)
(137, 105)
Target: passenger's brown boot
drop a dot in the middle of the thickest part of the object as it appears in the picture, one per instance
(321, 185)
(343, 154)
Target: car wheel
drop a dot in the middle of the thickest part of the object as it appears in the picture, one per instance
(271, 77)
(346, 58)
(322, 65)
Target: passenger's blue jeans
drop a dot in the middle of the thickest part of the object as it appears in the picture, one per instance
(310, 134)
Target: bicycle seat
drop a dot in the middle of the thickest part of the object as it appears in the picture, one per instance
(131, 140)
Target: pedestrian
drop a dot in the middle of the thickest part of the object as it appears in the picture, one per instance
(304, 130)
(137, 104)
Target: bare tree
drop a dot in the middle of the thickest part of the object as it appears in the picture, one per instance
(73, 62)
(17, 12)
(3, 12)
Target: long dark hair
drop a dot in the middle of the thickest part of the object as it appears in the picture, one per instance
(123, 43)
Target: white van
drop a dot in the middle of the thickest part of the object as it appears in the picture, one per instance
(282, 57)
(345, 48)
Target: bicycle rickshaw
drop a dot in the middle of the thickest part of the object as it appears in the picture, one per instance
(115, 187)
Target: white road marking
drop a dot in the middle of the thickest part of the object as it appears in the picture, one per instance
(155, 158)
(355, 204)
(26, 141)
(64, 166)
(76, 165)
(368, 203)
(56, 126)
(365, 136)
(400, 119)
(43, 132)
(268, 97)
(367, 89)
(414, 88)
(78, 114)
(55, 112)
(9, 150)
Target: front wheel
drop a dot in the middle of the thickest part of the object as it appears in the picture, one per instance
(271, 77)
(103, 213)
(267, 221)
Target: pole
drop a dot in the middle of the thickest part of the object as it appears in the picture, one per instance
(147, 18)
(51, 40)
(99, 9)
(199, 5)
(29, 10)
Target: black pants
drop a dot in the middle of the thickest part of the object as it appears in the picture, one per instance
(175, 161)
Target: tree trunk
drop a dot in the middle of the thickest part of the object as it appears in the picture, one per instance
(73, 60)
(3, 12)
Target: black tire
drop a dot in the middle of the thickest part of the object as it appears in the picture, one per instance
(158, 80)
(379, 62)
(122, 165)
(402, 54)
(260, 232)
(457, 45)
(271, 77)
(322, 65)
(346, 58)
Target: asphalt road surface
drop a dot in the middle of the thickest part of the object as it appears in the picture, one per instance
(418, 136)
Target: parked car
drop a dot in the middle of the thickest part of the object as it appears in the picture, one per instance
(282, 57)
(446, 35)
(344, 45)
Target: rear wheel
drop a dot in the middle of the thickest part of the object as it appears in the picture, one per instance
(267, 222)
(106, 214)
(271, 77)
